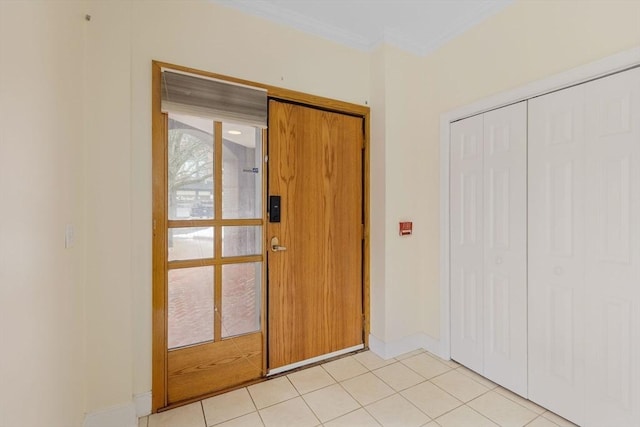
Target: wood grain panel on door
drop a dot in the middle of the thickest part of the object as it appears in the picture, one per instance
(315, 285)
(214, 366)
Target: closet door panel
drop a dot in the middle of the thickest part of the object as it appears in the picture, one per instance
(612, 255)
(556, 252)
(466, 219)
(505, 231)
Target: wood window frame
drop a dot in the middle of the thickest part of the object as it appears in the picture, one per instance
(160, 221)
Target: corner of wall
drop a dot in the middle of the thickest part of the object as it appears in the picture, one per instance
(390, 349)
(377, 95)
(121, 416)
(142, 402)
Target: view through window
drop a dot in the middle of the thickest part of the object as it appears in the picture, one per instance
(204, 237)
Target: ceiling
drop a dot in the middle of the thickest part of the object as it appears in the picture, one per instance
(417, 26)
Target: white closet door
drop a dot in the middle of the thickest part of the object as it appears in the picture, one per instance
(556, 252)
(612, 279)
(505, 256)
(466, 219)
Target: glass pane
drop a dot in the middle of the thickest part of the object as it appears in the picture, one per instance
(190, 167)
(241, 171)
(240, 241)
(190, 306)
(240, 298)
(190, 243)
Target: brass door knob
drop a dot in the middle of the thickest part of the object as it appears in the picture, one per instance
(275, 245)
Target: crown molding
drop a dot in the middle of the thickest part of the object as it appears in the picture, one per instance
(399, 38)
(463, 24)
(283, 16)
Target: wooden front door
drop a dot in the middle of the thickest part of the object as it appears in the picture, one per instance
(315, 298)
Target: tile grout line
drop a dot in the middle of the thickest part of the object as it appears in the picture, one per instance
(369, 371)
(343, 415)
(429, 379)
(393, 388)
(254, 405)
(495, 388)
(469, 407)
(239, 416)
(361, 406)
(260, 416)
(482, 415)
(371, 415)
(518, 403)
(472, 378)
(510, 396)
(311, 410)
(204, 416)
(397, 392)
(486, 416)
(321, 388)
(277, 403)
(540, 416)
(458, 399)
(282, 401)
(498, 386)
(325, 369)
(414, 405)
(452, 409)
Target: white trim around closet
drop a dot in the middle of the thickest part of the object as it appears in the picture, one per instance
(584, 73)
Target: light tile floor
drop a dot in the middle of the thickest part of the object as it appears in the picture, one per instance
(415, 389)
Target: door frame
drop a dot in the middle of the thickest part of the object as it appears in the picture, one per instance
(609, 65)
(159, 327)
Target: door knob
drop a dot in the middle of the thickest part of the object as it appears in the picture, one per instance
(275, 245)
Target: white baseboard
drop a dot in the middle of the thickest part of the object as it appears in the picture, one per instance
(387, 350)
(377, 346)
(117, 416)
(143, 404)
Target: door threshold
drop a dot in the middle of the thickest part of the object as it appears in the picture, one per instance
(313, 360)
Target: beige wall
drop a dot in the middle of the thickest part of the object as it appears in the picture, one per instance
(108, 205)
(41, 190)
(377, 163)
(102, 182)
(201, 35)
(397, 272)
(528, 41)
